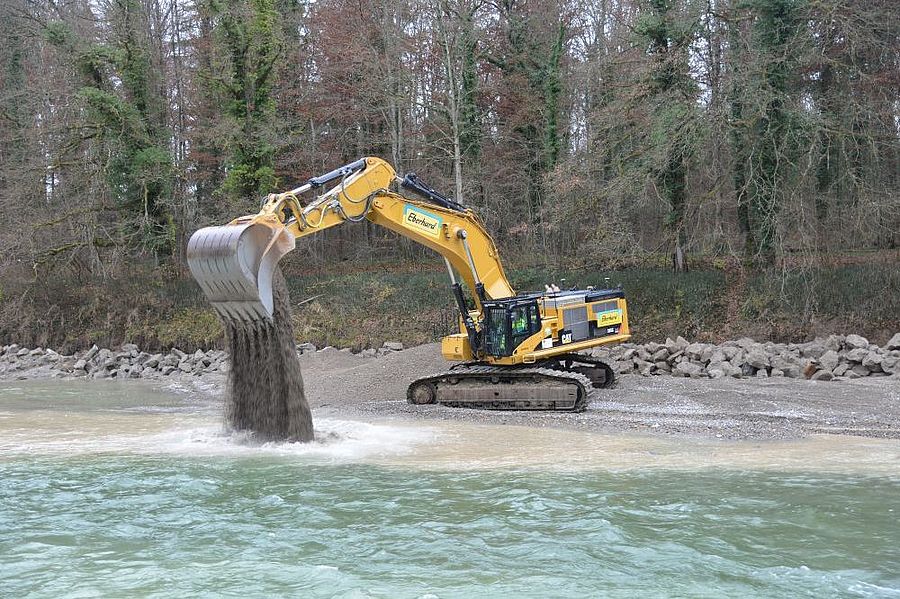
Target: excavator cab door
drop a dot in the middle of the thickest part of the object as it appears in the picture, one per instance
(508, 323)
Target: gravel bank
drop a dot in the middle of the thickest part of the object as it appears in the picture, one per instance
(372, 385)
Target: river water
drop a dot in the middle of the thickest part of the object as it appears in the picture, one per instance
(112, 489)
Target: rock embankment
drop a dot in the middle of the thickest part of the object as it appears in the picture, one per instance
(130, 362)
(837, 357)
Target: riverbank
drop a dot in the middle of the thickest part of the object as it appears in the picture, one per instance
(362, 304)
(372, 385)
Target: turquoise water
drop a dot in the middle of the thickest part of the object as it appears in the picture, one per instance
(110, 521)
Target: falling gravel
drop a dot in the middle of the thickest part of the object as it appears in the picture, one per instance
(265, 384)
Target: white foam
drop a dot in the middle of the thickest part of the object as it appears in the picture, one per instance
(336, 441)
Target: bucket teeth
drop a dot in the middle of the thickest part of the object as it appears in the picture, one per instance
(234, 265)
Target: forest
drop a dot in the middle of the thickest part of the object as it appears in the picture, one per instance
(735, 163)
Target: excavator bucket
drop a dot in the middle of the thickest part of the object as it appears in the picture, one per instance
(234, 265)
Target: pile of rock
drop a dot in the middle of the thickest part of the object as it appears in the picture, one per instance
(130, 362)
(836, 357)
(833, 358)
(101, 363)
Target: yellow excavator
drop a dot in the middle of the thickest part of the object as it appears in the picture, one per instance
(513, 351)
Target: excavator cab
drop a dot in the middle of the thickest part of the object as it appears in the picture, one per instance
(508, 323)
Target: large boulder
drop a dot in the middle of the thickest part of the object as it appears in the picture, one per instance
(813, 349)
(660, 355)
(873, 362)
(757, 357)
(687, 368)
(894, 343)
(890, 365)
(855, 341)
(856, 355)
(822, 375)
(679, 344)
(834, 342)
(695, 350)
(829, 360)
(91, 353)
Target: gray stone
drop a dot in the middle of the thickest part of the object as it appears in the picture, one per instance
(762, 373)
(679, 344)
(22, 352)
(695, 350)
(822, 375)
(776, 373)
(660, 354)
(623, 367)
(857, 355)
(177, 352)
(834, 342)
(687, 369)
(393, 345)
(873, 362)
(167, 370)
(185, 366)
(894, 342)
(855, 341)
(829, 360)
(890, 364)
(813, 349)
(80, 364)
(153, 361)
(840, 369)
(367, 353)
(860, 370)
(733, 352)
(792, 372)
(663, 366)
(747, 369)
(757, 358)
(91, 353)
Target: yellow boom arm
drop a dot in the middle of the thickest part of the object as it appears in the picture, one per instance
(234, 263)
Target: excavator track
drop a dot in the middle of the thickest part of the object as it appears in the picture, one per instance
(486, 387)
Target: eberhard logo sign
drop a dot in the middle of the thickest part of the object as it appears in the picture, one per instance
(422, 221)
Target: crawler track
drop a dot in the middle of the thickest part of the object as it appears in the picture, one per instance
(488, 387)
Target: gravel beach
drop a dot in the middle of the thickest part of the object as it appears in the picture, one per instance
(366, 386)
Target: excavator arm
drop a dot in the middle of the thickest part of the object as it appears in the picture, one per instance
(234, 264)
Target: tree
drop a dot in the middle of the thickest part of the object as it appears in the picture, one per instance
(245, 49)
